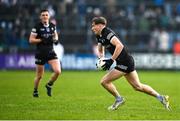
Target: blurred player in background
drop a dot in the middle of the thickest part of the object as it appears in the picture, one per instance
(108, 40)
(44, 35)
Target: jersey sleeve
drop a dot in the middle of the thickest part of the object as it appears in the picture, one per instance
(108, 34)
(53, 27)
(55, 30)
(34, 30)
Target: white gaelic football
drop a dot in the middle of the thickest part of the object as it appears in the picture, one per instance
(100, 63)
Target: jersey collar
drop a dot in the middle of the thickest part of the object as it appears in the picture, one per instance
(45, 25)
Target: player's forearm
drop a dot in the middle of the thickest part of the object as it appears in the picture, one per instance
(34, 40)
(55, 36)
(100, 52)
(100, 55)
(117, 51)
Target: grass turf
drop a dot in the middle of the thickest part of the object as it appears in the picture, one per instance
(78, 95)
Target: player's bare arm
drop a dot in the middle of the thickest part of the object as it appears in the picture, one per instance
(100, 50)
(55, 36)
(119, 46)
(33, 39)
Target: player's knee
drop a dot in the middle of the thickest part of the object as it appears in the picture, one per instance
(39, 77)
(57, 72)
(138, 88)
(103, 82)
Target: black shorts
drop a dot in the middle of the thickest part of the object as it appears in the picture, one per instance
(125, 65)
(43, 57)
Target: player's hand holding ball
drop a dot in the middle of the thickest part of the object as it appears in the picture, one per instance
(104, 63)
(108, 63)
(100, 63)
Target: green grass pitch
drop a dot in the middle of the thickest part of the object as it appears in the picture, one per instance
(78, 95)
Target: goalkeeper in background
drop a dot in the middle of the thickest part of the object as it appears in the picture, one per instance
(43, 35)
(108, 40)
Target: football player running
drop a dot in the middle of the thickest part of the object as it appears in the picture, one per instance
(108, 40)
(44, 35)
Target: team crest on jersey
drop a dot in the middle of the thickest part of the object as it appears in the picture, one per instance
(102, 40)
(47, 29)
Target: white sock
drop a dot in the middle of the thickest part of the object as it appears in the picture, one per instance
(118, 98)
(159, 97)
